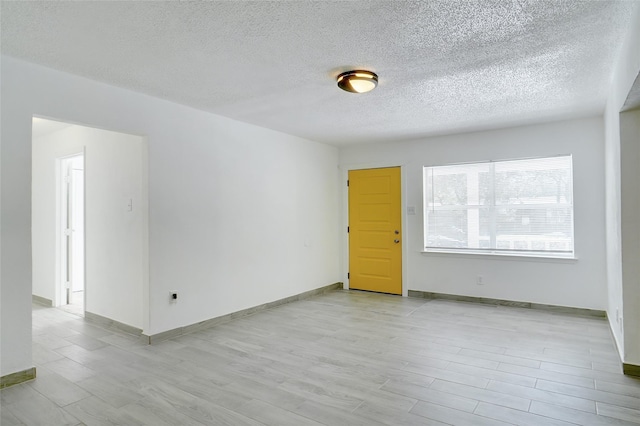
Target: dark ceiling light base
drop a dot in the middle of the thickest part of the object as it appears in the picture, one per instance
(358, 81)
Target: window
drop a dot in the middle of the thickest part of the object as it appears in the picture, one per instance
(503, 207)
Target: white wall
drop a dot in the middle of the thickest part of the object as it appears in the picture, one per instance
(238, 215)
(579, 283)
(625, 71)
(15, 235)
(630, 215)
(241, 204)
(115, 252)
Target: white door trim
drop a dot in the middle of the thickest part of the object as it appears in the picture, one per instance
(344, 175)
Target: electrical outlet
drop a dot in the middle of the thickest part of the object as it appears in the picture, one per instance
(479, 280)
(173, 296)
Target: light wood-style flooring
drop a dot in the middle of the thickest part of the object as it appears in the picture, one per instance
(342, 358)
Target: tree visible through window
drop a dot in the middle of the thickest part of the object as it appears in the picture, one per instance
(510, 206)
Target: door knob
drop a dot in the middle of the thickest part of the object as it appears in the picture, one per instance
(396, 241)
(396, 232)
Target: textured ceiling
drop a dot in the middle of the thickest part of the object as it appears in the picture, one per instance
(444, 66)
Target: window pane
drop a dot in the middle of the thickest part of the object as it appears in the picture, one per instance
(447, 229)
(485, 187)
(450, 190)
(534, 229)
(484, 235)
(459, 228)
(517, 205)
(458, 185)
(538, 181)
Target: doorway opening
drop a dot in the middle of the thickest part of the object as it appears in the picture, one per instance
(71, 285)
(89, 222)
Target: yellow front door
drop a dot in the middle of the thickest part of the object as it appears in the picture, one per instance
(375, 246)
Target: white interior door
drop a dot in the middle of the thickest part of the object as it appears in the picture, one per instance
(77, 225)
(72, 215)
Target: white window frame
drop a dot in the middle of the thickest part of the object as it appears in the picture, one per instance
(493, 208)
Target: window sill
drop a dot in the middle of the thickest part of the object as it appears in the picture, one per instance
(540, 257)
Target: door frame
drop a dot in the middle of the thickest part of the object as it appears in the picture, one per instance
(344, 176)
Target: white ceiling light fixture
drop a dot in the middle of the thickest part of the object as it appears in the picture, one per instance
(358, 81)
